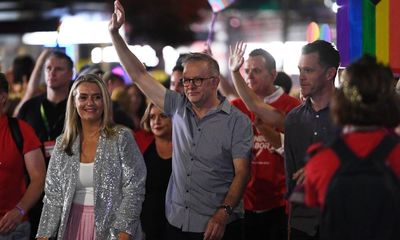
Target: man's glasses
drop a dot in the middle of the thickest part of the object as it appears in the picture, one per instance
(196, 81)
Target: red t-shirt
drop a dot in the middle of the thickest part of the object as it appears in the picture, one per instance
(12, 165)
(321, 167)
(266, 187)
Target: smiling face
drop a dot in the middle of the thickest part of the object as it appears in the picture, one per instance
(89, 102)
(160, 124)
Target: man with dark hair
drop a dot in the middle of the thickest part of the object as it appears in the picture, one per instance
(264, 202)
(46, 112)
(284, 81)
(18, 76)
(176, 75)
(211, 146)
(175, 79)
(354, 179)
(22, 68)
(18, 157)
(307, 124)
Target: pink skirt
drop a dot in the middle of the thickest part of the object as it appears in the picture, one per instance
(80, 224)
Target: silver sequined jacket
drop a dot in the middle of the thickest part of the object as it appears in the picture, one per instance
(119, 187)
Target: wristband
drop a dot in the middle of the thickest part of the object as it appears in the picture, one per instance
(20, 210)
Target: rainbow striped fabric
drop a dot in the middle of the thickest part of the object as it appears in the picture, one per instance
(219, 5)
(369, 26)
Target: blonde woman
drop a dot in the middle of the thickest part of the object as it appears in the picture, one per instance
(96, 175)
(155, 142)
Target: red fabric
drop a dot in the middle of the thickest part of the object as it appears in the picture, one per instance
(321, 167)
(266, 187)
(143, 139)
(12, 165)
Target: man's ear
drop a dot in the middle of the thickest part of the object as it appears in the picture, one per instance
(331, 73)
(274, 73)
(215, 81)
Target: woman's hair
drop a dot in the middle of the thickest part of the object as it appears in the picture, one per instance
(367, 96)
(145, 121)
(72, 126)
(143, 100)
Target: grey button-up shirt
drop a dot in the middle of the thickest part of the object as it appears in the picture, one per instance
(202, 160)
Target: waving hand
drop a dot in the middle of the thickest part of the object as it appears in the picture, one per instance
(236, 58)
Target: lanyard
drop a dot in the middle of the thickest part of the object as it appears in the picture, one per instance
(45, 121)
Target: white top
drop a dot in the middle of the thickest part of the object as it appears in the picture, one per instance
(84, 194)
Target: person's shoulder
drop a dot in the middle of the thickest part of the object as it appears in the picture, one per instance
(290, 99)
(33, 103)
(296, 111)
(122, 130)
(143, 139)
(236, 101)
(320, 156)
(24, 125)
(174, 95)
(36, 99)
(286, 103)
(240, 116)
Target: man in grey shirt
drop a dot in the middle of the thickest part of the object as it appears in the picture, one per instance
(211, 146)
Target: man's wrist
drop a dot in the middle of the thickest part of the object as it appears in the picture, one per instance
(227, 208)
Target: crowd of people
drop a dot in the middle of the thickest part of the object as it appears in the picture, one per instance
(91, 157)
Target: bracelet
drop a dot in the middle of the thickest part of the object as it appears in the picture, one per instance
(20, 210)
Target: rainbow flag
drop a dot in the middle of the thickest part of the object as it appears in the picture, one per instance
(369, 26)
(219, 5)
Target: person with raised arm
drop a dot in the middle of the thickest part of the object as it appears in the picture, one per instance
(211, 146)
(34, 79)
(266, 105)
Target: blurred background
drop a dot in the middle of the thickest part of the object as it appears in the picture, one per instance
(159, 30)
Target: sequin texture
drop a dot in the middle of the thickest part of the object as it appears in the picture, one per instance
(119, 187)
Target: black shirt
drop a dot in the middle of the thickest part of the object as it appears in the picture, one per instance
(153, 208)
(54, 115)
(303, 127)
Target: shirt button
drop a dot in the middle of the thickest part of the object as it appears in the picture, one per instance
(194, 144)
(188, 175)
(186, 207)
(315, 133)
(317, 116)
(199, 129)
(187, 190)
(191, 159)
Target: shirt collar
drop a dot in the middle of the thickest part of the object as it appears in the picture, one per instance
(275, 95)
(308, 104)
(224, 105)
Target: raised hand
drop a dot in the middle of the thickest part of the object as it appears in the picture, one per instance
(236, 58)
(118, 17)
